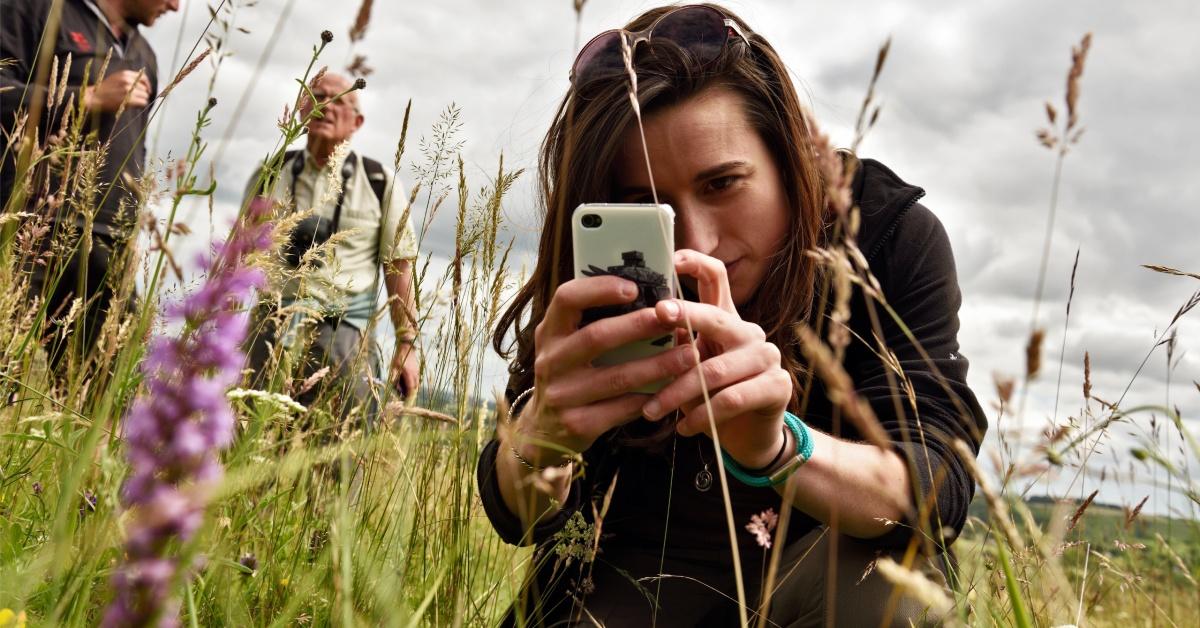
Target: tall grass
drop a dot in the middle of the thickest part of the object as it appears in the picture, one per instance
(319, 522)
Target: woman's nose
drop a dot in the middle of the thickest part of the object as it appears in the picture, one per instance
(696, 230)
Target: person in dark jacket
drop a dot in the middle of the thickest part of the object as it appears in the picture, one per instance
(116, 106)
(620, 491)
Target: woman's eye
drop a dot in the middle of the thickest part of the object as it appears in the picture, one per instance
(722, 183)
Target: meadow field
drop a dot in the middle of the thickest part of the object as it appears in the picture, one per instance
(289, 515)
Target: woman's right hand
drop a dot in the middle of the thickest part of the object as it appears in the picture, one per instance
(573, 402)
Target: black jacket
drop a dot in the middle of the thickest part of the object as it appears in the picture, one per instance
(909, 253)
(84, 37)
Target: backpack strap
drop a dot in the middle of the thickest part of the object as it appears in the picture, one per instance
(377, 179)
(290, 156)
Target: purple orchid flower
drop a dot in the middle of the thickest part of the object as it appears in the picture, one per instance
(175, 431)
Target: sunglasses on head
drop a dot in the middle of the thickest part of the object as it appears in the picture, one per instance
(699, 30)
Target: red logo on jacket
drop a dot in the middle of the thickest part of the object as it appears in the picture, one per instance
(80, 40)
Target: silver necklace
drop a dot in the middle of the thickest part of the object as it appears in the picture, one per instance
(704, 479)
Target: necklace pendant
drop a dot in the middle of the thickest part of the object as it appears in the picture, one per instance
(704, 480)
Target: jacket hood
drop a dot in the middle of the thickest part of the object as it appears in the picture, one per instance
(882, 198)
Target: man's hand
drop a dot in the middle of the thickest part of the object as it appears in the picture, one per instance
(405, 373)
(107, 96)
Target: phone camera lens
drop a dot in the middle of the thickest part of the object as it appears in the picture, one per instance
(591, 221)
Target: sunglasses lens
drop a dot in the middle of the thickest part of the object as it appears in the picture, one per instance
(699, 30)
(601, 57)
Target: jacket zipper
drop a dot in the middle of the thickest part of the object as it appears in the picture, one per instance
(887, 235)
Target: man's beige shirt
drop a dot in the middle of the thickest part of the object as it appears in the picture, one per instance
(367, 236)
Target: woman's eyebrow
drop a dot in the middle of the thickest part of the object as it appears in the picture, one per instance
(720, 169)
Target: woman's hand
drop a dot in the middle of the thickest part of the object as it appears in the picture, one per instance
(740, 370)
(573, 402)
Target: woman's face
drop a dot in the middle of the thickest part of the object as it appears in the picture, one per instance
(712, 167)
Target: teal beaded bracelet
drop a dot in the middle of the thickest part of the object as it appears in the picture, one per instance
(804, 451)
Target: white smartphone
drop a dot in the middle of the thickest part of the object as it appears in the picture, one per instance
(636, 242)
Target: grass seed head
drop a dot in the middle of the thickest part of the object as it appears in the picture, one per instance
(1082, 508)
(1033, 353)
(1078, 57)
(1087, 376)
(362, 20)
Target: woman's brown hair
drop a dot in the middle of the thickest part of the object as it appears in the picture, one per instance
(576, 166)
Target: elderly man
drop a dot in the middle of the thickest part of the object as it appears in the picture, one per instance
(86, 31)
(366, 226)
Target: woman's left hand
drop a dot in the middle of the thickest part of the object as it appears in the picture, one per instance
(741, 372)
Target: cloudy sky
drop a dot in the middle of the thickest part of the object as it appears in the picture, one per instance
(962, 95)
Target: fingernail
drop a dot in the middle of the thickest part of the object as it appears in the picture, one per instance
(671, 308)
(628, 290)
(652, 410)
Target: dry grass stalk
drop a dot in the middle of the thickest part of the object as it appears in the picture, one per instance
(69, 317)
(1033, 353)
(1183, 568)
(129, 96)
(361, 21)
(160, 244)
(62, 86)
(1046, 138)
(1131, 515)
(187, 69)
(1078, 57)
(1170, 271)
(313, 380)
(1004, 388)
(397, 409)
(997, 507)
(916, 584)
(53, 82)
(1087, 376)
(358, 67)
(833, 172)
(303, 99)
(863, 123)
(321, 75)
(1082, 508)
(578, 6)
(839, 328)
(840, 387)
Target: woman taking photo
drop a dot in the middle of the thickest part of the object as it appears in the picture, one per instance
(730, 149)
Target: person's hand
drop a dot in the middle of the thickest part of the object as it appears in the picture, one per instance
(747, 386)
(405, 373)
(107, 95)
(573, 402)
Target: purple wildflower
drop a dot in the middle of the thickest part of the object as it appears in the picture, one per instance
(88, 505)
(175, 431)
(250, 562)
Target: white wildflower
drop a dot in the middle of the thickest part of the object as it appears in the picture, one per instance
(762, 525)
